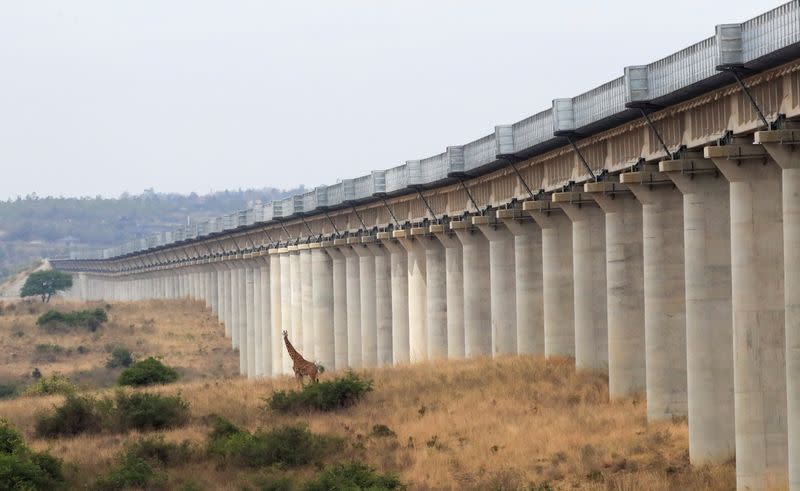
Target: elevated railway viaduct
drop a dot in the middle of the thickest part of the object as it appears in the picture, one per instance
(649, 228)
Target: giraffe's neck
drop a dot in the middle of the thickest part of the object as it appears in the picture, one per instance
(292, 352)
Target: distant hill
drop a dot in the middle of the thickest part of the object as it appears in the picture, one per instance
(34, 227)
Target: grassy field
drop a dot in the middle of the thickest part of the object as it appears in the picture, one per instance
(506, 424)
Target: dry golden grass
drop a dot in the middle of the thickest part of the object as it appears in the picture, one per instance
(184, 334)
(475, 424)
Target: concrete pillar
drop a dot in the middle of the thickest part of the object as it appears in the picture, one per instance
(275, 292)
(757, 285)
(219, 274)
(664, 293)
(227, 295)
(286, 307)
(624, 287)
(306, 302)
(477, 304)
(417, 293)
(369, 328)
(296, 335)
(436, 297)
(353, 278)
(339, 274)
(248, 341)
(589, 279)
(398, 259)
(454, 283)
(502, 290)
(383, 301)
(242, 301)
(212, 289)
(557, 271)
(265, 300)
(709, 323)
(258, 340)
(235, 294)
(787, 157)
(528, 281)
(322, 288)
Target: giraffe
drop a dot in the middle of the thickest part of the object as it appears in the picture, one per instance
(301, 366)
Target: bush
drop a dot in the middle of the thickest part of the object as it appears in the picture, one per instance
(140, 465)
(78, 414)
(20, 468)
(139, 411)
(147, 372)
(323, 396)
(8, 391)
(131, 472)
(144, 411)
(120, 358)
(53, 320)
(54, 384)
(353, 476)
(288, 445)
(383, 431)
(155, 450)
(47, 352)
(273, 480)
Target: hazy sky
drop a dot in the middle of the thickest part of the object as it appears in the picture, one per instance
(101, 97)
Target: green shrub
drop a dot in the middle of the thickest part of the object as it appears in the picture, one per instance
(136, 411)
(132, 472)
(147, 372)
(53, 320)
(146, 411)
(155, 450)
(8, 391)
(383, 431)
(273, 480)
(54, 384)
(120, 358)
(323, 396)
(355, 477)
(140, 466)
(10, 439)
(288, 445)
(78, 414)
(20, 468)
(47, 352)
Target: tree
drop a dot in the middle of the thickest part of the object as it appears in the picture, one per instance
(46, 284)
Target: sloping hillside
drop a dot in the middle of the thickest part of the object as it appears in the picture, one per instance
(508, 423)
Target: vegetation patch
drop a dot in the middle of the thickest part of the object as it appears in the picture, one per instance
(149, 371)
(147, 411)
(48, 352)
(154, 449)
(136, 411)
(290, 446)
(21, 468)
(142, 464)
(383, 431)
(45, 284)
(120, 358)
(322, 396)
(131, 472)
(77, 415)
(8, 391)
(56, 321)
(354, 476)
(54, 384)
